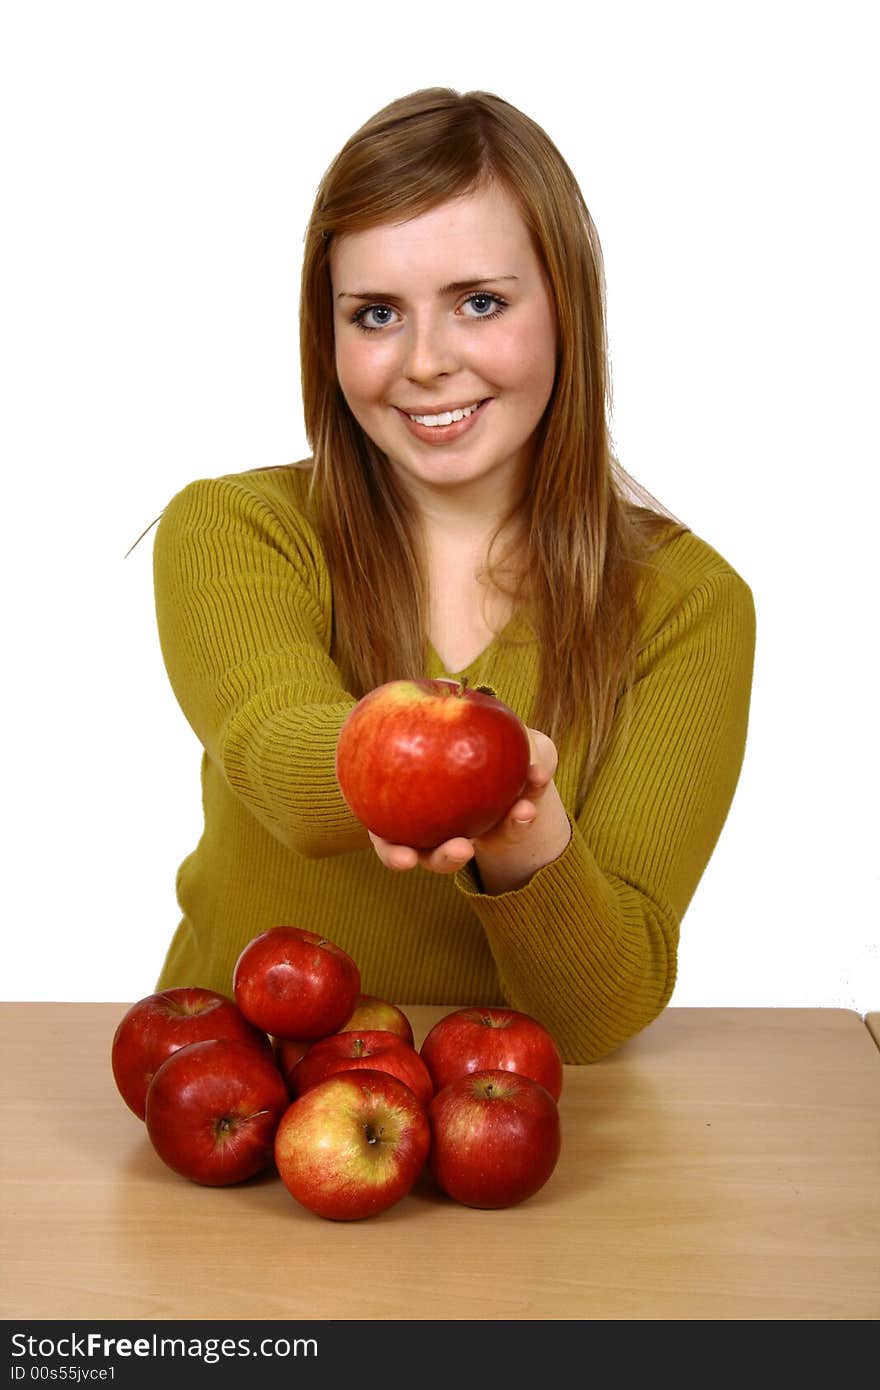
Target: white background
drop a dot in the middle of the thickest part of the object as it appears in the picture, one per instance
(159, 164)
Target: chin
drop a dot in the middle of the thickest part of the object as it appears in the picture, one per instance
(448, 472)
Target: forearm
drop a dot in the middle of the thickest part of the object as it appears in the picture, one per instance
(281, 763)
(589, 943)
(244, 622)
(511, 863)
(590, 955)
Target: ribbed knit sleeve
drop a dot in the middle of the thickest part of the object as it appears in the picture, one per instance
(589, 945)
(244, 610)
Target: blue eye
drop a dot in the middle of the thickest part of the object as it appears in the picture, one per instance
(382, 315)
(485, 306)
(481, 305)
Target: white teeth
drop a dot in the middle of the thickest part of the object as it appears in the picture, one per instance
(449, 417)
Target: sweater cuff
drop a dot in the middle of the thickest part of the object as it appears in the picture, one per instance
(617, 943)
(557, 886)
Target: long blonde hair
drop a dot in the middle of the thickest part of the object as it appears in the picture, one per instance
(588, 527)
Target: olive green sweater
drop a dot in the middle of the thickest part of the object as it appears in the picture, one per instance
(589, 944)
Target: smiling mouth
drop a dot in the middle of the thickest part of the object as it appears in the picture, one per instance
(445, 417)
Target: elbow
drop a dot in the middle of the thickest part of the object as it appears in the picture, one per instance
(632, 994)
(309, 840)
(312, 822)
(302, 843)
(621, 1029)
(603, 1040)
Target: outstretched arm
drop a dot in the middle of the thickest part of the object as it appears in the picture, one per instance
(244, 612)
(582, 909)
(590, 943)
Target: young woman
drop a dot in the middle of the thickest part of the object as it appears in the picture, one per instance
(462, 514)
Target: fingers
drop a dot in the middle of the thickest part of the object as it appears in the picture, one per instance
(538, 780)
(447, 858)
(451, 856)
(520, 817)
(394, 856)
(543, 750)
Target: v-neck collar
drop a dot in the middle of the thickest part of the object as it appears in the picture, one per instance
(517, 628)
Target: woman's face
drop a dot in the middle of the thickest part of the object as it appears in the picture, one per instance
(447, 318)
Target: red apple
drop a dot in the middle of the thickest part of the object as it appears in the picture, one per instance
(482, 1039)
(371, 1012)
(213, 1109)
(353, 1145)
(495, 1138)
(371, 1050)
(295, 984)
(161, 1023)
(288, 1054)
(421, 761)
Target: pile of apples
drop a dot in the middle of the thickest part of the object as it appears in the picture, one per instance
(302, 1069)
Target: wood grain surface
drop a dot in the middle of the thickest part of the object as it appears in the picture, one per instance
(725, 1164)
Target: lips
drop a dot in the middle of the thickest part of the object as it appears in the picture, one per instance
(440, 424)
(442, 414)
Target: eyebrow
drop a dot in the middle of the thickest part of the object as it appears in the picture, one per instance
(454, 287)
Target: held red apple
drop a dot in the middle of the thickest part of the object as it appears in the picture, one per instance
(213, 1109)
(161, 1023)
(495, 1138)
(370, 1050)
(421, 761)
(295, 984)
(353, 1145)
(478, 1039)
(374, 1013)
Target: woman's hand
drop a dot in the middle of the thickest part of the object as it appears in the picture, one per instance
(534, 831)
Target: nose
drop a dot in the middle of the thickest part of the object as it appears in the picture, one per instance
(429, 349)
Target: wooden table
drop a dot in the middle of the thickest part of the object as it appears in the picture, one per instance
(725, 1164)
(872, 1022)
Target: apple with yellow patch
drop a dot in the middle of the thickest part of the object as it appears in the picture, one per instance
(353, 1145)
(420, 762)
(374, 1013)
